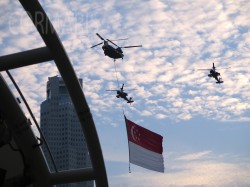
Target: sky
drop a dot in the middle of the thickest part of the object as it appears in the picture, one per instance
(205, 126)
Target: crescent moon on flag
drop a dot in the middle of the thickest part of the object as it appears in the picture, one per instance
(132, 133)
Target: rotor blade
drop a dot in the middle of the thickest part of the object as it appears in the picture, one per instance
(112, 90)
(203, 69)
(224, 68)
(96, 45)
(132, 46)
(130, 89)
(100, 36)
(120, 39)
(112, 43)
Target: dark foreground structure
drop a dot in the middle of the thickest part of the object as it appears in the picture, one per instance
(22, 162)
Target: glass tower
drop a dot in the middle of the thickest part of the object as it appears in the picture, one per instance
(62, 131)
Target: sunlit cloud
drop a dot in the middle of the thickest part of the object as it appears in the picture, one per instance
(198, 169)
(178, 38)
(194, 156)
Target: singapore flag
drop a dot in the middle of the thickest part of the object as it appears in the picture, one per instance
(145, 147)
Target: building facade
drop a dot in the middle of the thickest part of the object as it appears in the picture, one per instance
(62, 131)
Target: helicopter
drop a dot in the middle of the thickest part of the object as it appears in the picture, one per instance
(216, 75)
(122, 94)
(110, 51)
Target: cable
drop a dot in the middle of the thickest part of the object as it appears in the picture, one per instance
(118, 84)
(122, 107)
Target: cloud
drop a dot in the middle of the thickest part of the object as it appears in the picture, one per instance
(177, 37)
(161, 116)
(243, 119)
(194, 169)
(195, 156)
(192, 36)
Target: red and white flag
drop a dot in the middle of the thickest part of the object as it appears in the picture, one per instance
(145, 147)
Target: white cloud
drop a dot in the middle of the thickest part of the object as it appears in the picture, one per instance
(192, 36)
(161, 116)
(242, 119)
(146, 113)
(184, 116)
(177, 37)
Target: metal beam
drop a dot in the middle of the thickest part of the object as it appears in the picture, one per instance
(72, 176)
(52, 41)
(25, 58)
(23, 136)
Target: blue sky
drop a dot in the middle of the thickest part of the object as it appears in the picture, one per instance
(205, 125)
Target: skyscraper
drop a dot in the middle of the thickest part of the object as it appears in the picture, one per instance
(63, 132)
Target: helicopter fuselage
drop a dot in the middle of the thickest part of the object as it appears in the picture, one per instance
(121, 94)
(215, 75)
(112, 52)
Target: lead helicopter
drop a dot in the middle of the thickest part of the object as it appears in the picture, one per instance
(216, 75)
(111, 51)
(122, 94)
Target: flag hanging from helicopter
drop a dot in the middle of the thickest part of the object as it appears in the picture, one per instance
(145, 147)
